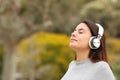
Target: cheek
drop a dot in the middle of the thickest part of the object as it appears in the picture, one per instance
(84, 42)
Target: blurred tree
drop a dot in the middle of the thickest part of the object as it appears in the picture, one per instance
(13, 28)
(21, 18)
(106, 12)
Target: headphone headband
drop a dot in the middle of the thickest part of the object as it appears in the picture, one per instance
(100, 31)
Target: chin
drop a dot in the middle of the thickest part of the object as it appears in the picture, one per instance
(72, 46)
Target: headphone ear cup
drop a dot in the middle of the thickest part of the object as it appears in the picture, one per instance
(91, 42)
(94, 42)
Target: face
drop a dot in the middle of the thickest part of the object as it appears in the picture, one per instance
(80, 37)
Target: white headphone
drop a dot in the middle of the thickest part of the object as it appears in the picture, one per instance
(94, 41)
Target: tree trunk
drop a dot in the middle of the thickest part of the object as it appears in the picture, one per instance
(32, 64)
(9, 64)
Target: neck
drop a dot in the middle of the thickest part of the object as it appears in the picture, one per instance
(82, 55)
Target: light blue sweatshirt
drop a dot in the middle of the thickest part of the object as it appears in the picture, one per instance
(87, 70)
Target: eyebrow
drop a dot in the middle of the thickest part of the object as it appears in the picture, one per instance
(81, 29)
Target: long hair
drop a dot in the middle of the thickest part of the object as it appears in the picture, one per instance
(99, 54)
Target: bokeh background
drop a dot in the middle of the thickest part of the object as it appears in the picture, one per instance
(34, 35)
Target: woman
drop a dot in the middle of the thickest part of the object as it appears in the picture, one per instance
(88, 41)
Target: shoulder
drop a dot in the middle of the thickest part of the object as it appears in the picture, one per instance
(71, 63)
(104, 69)
(103, 65)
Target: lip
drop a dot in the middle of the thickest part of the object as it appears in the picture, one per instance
(72, 40)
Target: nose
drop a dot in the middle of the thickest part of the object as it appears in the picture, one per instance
(73, 33)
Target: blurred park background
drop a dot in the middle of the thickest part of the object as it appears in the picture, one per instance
(34, 35)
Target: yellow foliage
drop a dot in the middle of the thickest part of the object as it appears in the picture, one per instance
(51, 49)
(43, 38)
(113, 45)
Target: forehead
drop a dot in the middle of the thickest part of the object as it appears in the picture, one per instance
(83, 26)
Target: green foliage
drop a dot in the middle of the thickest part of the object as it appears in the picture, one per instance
(105, 12)
(113, 50)
(1, 59)
(63, 15)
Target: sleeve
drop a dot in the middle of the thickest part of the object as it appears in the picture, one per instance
(104, 72)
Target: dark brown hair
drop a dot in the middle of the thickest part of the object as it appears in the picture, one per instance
(96, 54)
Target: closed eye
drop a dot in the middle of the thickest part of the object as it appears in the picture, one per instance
(80, 32)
